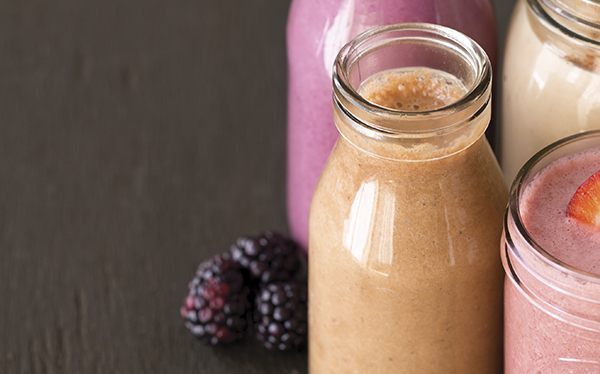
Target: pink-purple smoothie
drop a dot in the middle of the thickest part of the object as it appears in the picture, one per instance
(541, 338)
(544, 212)
(316, 31)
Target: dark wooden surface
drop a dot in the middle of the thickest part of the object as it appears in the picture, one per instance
(136, 139)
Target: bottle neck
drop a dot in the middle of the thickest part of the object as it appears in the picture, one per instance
(416, 134)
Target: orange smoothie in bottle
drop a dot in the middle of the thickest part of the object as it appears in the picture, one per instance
(406, 218)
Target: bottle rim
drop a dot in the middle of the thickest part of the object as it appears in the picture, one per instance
(370, 119)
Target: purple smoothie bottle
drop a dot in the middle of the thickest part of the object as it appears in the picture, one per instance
(316, 31)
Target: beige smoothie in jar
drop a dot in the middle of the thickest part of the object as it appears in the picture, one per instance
(404, 272)
(551, 77)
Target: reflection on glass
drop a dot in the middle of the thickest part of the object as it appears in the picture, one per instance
(368, 232)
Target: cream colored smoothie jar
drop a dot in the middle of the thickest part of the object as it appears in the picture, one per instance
(404, 270)
(551, 79)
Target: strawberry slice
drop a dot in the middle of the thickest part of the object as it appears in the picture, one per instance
(585, 203)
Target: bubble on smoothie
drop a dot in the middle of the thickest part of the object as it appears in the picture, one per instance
(412, 90)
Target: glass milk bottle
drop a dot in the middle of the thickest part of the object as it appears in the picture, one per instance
(316, 31)
(404, 270)
(552, 263)
(551, 83)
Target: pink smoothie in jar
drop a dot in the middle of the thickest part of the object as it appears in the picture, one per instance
(316, 31)
(552, 262)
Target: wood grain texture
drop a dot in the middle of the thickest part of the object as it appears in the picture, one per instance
(136, 139)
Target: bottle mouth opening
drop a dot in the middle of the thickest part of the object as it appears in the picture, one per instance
(406, 46)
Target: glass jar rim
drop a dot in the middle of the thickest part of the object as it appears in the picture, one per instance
(416, 33)
(516, 190)
(544, 8)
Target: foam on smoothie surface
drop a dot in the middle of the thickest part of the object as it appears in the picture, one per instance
(544, 205)
(412, 90)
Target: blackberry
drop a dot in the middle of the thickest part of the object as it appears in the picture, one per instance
(280, 316)
(215, 310)
(268, 257)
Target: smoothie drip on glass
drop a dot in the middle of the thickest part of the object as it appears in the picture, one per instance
(316, 31)
(404, 274)
(552, 262)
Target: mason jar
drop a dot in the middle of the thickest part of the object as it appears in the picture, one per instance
(405, 221)
(552, 290)
(551, 78)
